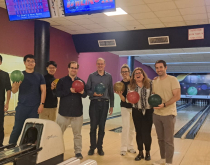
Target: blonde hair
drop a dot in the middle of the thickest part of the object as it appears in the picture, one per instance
(101, 59)
(146, 80)
(125, 66)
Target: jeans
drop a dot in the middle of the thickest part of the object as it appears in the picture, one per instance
(98, 113)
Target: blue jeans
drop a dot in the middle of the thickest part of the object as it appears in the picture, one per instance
(22, 113)
(98, 111)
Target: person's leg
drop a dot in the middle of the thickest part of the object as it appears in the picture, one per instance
(45, 114)
(168, 124)
(125, 128)
(53, 113)
(131, 131)
(94, 120)
(21, 115)
(63, 122)
(147, 128)
(1, 123)
(76, 124)
(160, 134)
(137, 119)
(103, 110)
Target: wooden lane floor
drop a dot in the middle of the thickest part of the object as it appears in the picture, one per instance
(187, 152)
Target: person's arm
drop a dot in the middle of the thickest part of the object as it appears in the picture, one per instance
(8, 89)
(43, 97)
(175, 98)
(121, 96)
(84, 92)
(60, 91)
(89, 87)
(111, 95)
(15, 87)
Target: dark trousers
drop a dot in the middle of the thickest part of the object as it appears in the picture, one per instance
(1, 123)
(143, 126)
(22, 113)
(98, 111)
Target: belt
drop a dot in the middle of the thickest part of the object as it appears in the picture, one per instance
(101, 99)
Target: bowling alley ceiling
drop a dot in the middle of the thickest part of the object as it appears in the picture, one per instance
(142, 14)
(186, 60)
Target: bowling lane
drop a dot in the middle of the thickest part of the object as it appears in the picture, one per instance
(204, 132)
(185, 115)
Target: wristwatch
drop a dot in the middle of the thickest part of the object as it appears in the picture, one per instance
(42, 103)
(164, 104)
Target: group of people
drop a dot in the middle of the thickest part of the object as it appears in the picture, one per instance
(38, 99)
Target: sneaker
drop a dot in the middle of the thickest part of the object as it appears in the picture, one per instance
(123, 153)
(101, 152)
(132, 151)
(91, 152)
(79, 156)
(159, 162)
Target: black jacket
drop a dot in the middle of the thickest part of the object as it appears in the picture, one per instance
(70, 103)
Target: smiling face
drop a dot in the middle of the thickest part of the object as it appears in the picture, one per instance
(100, 65)
(138, 75)
(160, 69)
(125, 73)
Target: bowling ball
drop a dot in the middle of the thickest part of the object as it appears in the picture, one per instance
(154, 100)
(119, 86)
(78, 85)
(100, 88)
(56, 81)
(192, 91)
(17, 76)
(133, 97)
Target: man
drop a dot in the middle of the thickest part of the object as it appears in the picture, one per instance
(71, 108)
(32, 93)
(99, 105)
(164, 116)
(50, 105)
(5, 85)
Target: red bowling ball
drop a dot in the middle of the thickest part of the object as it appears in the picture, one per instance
(78, 85)
(133, 97)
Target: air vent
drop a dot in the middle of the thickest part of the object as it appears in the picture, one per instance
(107, 43)
(158, 40)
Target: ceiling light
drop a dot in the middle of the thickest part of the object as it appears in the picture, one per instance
(118, 11)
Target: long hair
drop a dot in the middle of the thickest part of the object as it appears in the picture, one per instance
(146, 80)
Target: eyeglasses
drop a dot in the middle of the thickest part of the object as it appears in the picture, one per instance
(30, 61)
(138, 73)
(100, 63)
(73, 68)
(124, 72)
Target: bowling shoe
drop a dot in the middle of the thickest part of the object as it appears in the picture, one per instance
(132, 151)
(79, 156)
(139, 156)
(123, 153)
(101, 152)
(91, 152)
(147, 156)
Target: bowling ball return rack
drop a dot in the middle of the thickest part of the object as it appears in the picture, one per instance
(10, 153)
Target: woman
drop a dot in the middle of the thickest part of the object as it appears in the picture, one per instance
(128, 129)
(142, 112)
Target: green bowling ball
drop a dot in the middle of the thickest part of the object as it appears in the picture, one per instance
(154, 100)
(192, 91)
(17, 76)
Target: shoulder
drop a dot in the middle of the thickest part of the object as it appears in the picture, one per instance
(172, 78)
(81, 80)
(63, 78)
(4, 73)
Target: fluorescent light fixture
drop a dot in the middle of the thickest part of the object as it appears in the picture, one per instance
(118, 11)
